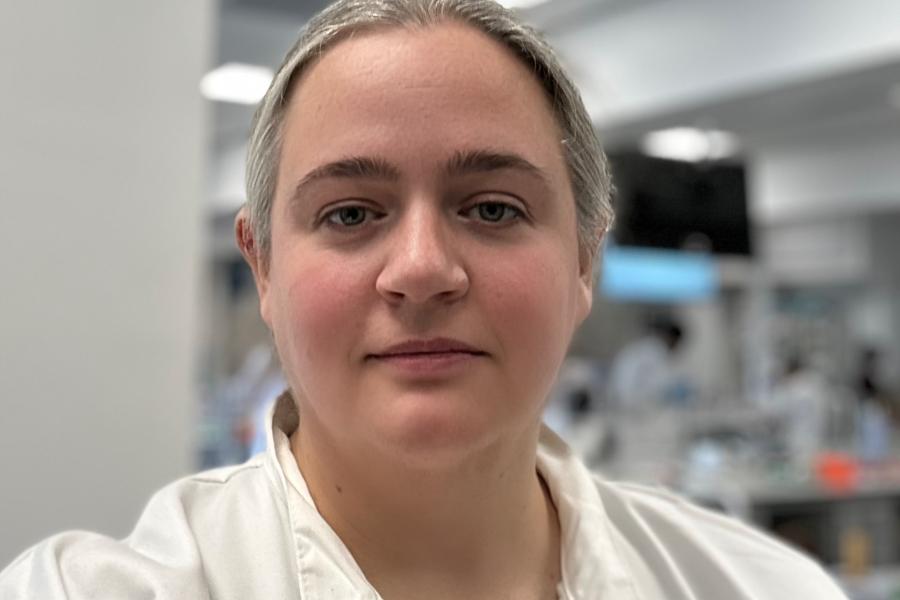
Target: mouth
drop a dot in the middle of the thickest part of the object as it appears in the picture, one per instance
(435, 348)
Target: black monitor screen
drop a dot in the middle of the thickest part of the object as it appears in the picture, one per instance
(671, 204)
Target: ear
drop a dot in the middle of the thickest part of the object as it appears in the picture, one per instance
(586, 257)
(252, 253)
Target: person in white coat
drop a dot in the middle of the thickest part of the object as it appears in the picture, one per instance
(801, 401)
(425, 198)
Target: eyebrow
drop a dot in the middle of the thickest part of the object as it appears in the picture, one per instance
(461, 163)
(354, 167)
(485, 161)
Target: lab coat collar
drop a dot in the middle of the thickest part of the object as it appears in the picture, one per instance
(590, 562)
(592, 566)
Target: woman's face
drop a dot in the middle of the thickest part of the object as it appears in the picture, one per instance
(424, 279)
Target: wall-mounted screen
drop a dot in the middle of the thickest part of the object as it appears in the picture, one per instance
(664, 203)
(650, 275)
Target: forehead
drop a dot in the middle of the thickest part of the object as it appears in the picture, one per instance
(442, 54)
(415, 93)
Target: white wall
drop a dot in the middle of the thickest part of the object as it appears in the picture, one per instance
(817, 251)
(101, 182)
(654, 56)
(838, 174)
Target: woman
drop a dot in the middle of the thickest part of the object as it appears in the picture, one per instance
(425, 198)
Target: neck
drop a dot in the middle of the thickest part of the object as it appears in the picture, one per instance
(482, 527)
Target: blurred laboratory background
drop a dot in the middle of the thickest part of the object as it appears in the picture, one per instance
(744, 348)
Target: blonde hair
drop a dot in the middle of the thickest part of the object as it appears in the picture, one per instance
(586, 163)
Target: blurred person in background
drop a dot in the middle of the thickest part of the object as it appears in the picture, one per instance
(575, 407)
(585, 427)
(647, 373)
(874, 416)
(237, 409)
(425, 198)
(801, 399)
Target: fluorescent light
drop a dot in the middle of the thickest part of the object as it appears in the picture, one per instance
(690, 144)
(237, 83)
(521, 3)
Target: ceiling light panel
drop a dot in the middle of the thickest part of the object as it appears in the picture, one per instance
(237, 83)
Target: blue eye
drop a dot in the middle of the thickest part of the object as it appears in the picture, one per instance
(495, 212)
(353, 215)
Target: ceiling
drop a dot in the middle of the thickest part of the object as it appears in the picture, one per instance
(260, 32)
(853, 102)
(301, 9)
(840, 95)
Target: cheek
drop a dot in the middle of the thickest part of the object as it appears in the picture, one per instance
(532, 301)
(318, 312)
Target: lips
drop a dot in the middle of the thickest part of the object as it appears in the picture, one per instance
(434, 346)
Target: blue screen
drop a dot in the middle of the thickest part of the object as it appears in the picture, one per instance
(650, 275)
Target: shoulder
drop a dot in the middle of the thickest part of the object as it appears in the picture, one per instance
(710, 554)
(166, 555)
(78, 565)
(202, 490)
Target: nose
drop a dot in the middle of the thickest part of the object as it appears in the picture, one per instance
(423, 263)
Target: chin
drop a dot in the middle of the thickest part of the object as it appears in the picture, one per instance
(432, 432)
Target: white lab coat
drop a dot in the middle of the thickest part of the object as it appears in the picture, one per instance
(252, 531)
